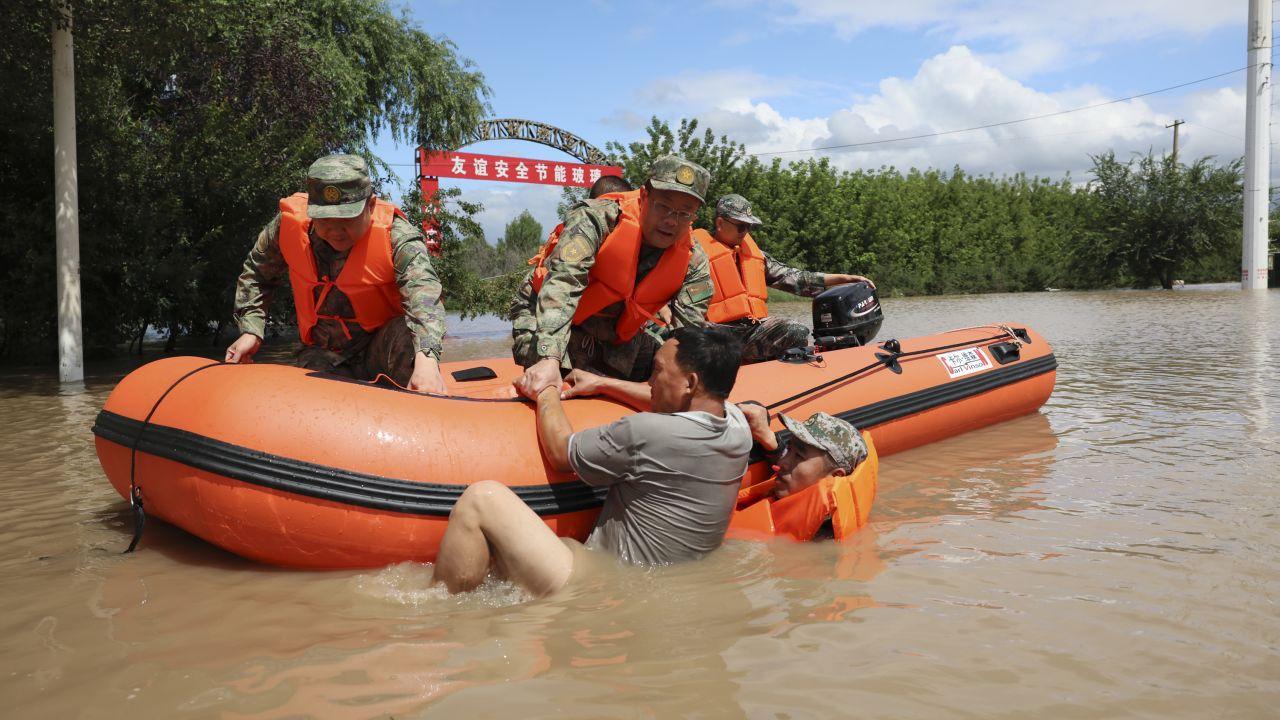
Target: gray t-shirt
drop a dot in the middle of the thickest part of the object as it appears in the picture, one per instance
(673, 479)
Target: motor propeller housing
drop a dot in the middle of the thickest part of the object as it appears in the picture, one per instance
(846, 316)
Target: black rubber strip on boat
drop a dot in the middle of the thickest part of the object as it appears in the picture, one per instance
(324, 482)
(868, 416)
(435, 499)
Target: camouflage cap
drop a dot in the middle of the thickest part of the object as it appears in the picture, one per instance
(337, 187)
(736, 207)
(675, 173)
(836, 437)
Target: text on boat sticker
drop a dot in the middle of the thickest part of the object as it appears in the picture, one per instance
(965, 362)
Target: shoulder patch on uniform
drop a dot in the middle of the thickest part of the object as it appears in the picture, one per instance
(699, 290)
(573, 249)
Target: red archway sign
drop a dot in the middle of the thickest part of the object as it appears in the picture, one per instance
(500, 168)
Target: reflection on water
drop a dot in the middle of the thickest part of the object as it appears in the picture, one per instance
(1113, 555)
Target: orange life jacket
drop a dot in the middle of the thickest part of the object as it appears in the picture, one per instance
(845, 500)
(368, 278)
(738, 275)
(613, 276)
(540, 272)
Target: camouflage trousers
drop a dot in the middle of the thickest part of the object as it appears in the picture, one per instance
(632, 360)
(769, 338)
(391, 352)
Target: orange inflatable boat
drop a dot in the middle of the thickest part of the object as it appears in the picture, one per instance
(304, 469)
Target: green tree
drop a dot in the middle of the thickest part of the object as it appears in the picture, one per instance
(193, 119)
(720, 156)
(1155, 219)
(522, 236)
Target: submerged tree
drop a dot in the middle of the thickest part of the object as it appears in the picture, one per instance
(1154, 219)
(496, 266)
(194, 118)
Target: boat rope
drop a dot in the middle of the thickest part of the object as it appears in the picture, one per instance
(1018, 336)
(889, 359)
(135, 490)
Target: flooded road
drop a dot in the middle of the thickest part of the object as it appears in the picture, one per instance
(1116, 555)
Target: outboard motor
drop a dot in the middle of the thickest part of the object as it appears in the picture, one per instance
(846, 316)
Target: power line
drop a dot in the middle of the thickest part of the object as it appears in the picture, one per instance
(1220, 132)
(1015, 138)
(1001, 124)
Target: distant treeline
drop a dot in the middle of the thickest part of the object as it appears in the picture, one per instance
(1140, 221)
(1136, 221)
(195, 117)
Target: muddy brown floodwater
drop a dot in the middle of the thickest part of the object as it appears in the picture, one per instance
(1116, 555)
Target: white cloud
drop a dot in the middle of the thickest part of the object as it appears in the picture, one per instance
(718, 87)
(960, 89)
(1215, 125)
(503, 204)
(731, 102)
(1033, 35)
(957, 90)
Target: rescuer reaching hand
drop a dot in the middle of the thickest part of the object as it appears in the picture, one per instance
(593, 298)
(366, 295)
(742, 275)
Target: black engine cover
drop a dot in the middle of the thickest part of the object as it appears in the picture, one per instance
(846, 316)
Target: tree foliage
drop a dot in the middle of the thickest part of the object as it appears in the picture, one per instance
(935, 232)
(494, 271)
(1155, 219)
(193, 119)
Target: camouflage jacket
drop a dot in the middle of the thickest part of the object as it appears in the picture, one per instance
(804, 283)
(265, 268)
(586, 226)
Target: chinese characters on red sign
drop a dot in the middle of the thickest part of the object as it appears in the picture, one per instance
(474, 166)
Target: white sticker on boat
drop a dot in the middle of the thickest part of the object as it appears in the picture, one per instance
(965, 362)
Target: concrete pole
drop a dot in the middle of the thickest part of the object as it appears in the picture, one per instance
(1257, 149)
(66, 198)
(1176, 124)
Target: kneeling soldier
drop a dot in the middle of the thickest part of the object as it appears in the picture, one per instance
(592, 300)
(743, 274)
(366, 295)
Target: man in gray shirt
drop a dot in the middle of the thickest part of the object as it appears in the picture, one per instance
(673, 476)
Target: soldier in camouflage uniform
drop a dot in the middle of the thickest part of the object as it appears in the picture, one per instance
(548, 343)
(340, 205)
(766, 338)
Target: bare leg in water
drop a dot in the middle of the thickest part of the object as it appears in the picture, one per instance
(490, 524)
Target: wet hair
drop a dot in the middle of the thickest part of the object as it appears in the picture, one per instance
(608, 184)
(712, 352)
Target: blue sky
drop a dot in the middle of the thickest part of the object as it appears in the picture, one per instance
(794, 75)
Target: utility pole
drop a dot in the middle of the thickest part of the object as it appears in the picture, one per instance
(1175, 125)
(1257, 149)
(66, 198)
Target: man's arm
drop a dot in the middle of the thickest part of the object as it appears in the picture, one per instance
(263, 268)
(758, 420)
(567, 269)
(833, 279)
(420, 291)
(419, 287)
(554, 429)
(584, 384)
(794, 280)
(568, 266)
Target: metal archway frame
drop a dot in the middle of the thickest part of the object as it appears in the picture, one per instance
(505, 129)
(542, 133)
